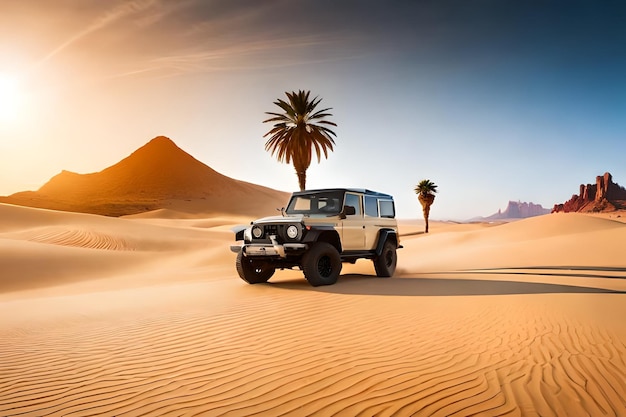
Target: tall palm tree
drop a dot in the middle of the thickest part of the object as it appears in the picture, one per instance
(299, 130)
(425, 191)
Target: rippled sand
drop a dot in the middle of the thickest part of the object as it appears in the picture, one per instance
(146, 316)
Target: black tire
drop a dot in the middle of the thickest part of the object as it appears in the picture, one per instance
(253, 271)
(385, 264)
(321, 264)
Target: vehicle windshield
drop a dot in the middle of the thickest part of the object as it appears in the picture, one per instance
(328, 203)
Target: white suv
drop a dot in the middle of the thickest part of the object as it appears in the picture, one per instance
(318, 231)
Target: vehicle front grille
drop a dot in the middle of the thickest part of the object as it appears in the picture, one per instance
(278, 230)
(271, 229)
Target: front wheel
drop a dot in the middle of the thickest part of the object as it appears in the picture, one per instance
(321, 264)
(253, 271)
(385, 264)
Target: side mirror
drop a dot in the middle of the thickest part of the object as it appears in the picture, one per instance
(347, 211)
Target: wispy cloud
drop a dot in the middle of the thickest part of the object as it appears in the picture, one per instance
(246, 54)
(159, 38)
(108, 18)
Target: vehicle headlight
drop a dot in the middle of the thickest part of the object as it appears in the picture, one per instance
(257, 232)
(292, 232)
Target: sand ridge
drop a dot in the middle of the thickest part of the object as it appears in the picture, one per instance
(74, 237)
(521, 318)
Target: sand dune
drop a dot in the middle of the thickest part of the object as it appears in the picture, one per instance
(557, 240)
(146, 316)
(158, 175)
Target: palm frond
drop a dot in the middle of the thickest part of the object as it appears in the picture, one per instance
(300, 131)
(426, 187)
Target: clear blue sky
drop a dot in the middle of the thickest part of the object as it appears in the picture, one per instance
(491, 100)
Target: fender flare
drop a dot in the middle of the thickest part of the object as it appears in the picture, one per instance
(239, 231)
(315, 232)
(383, 236)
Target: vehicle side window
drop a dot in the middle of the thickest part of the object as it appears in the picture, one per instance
(387, 208)
(371, 206)
(354, 200)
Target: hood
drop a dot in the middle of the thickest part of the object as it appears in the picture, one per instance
(299, 218)
(294, 218)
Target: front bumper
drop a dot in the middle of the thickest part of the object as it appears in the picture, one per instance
(271, 250)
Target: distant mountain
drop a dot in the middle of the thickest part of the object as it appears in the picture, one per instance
(519, 210)
(157, 175)
(603, 196)
(515, 210)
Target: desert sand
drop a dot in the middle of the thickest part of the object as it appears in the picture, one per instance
(145, 315)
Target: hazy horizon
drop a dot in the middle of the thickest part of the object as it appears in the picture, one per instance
(493, 101)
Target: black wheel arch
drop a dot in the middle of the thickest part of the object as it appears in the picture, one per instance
(239, 231)
(383, 236)
(323, 234)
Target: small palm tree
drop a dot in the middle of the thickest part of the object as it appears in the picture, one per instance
(298, 131)
(425, 191)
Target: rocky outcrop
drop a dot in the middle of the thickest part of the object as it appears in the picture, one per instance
(603, 196)
(519, 210)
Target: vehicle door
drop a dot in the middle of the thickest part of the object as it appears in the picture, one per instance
(353, 227)
(372, 222)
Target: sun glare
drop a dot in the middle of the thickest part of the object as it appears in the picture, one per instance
(10, 98)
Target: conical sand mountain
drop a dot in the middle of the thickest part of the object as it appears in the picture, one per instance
(159, 168)
(157, 175)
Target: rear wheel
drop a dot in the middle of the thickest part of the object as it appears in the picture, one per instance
(253, 271)
(321, 264)
(385, 264)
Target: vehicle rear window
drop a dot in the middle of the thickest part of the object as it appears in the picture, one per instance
(387, 208)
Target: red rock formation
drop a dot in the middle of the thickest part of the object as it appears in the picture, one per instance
(603, 196)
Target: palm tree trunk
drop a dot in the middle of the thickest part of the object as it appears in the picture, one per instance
(301, 179)
(426, 200)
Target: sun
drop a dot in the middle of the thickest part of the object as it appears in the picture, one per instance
(10, 98)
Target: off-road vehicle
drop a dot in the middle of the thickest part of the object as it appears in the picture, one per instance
(318, 231)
